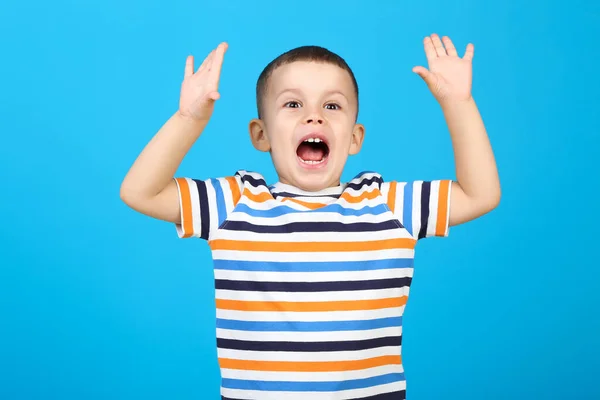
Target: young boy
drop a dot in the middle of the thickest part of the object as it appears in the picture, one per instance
(312, 274)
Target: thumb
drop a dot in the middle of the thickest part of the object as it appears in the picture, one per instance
(213, 96)
(423, 73)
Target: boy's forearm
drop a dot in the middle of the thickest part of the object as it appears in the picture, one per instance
(155, 167)
(476, 170)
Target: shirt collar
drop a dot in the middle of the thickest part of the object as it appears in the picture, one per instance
(285, 190)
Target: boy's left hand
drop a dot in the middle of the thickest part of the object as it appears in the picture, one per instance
(449, 76)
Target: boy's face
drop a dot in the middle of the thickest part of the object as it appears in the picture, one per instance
(309, 124)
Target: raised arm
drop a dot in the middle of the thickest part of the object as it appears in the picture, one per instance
(449, 77)
(149, 186)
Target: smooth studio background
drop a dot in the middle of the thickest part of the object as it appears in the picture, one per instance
(99, 302)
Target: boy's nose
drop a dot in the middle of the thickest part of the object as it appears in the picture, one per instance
(314, 117)
(314, 120)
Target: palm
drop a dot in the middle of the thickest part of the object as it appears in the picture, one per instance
(449, 76)
(199, 90)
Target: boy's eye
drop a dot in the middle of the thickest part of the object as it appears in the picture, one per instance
(332, 106)
(292, 104)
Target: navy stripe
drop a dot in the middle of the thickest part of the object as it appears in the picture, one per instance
(352, 185)
(289, 194)
(425, 193)
(204, 211)
(349, 345)
(364, 182)
(254, 182)
(316, 226)
(399, 395)
(258, 286)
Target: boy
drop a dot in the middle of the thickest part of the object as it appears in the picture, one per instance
(311, 274)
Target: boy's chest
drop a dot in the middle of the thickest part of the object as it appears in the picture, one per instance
(357, 237)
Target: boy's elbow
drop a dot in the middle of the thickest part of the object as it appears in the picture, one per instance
(128, 196)
(491, 201)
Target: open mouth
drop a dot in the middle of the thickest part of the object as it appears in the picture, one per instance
(312, 151)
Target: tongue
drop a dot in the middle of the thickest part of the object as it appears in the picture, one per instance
(310, 153)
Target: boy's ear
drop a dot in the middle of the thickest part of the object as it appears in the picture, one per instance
(258, 135)
(358, 135)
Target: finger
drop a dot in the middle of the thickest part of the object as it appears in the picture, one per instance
(430, 52)
(450, 49)
(217, 63)
(423, 73)
(214, 96)
(206, 63)
(470, 52)
(189, 66)
(439, 47)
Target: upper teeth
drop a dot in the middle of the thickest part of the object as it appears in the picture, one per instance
(316, 140)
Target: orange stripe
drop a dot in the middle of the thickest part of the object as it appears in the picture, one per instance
(392, 196)
(257, 198)
(363, 196)
(442, 211)
(264, 196)
(316, 306)
(235, 189)
(312, 206)
(373, 245)
(186, 204)
(308, 366)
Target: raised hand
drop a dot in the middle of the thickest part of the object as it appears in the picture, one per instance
(449, 76)
(200, 90)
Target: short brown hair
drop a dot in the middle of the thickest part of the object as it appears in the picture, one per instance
(302, 53)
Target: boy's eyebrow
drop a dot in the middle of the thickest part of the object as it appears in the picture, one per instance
(298, 91)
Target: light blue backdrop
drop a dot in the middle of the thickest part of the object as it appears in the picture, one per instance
(99, 302)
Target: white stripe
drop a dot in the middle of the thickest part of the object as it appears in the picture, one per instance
(257, 190)
(314, 200)
(326, 336)
(277, 276)
(303, 297)
(416, 208)
(254, 175)
(310, 316)
(310, 237)
(311, 376)
(312, 256)
(179, 226)
(448, 209)
(434, 194)
(341, 395)
(282, 187)
(309, 356)
(212, 208)
(309, 217)
(399, 206)
(273, 204)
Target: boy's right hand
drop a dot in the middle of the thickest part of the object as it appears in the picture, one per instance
(199, 90)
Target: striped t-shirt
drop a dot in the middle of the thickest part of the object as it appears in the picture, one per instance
(311, 287)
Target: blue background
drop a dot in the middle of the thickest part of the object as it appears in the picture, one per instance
(99, 302)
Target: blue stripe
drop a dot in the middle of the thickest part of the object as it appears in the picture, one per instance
(278, 211)
(407, 207)
(371, 265)
(220, 197)
(310, 386)
(320, 326)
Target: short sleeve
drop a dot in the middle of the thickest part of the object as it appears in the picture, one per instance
(422, 207)
(205, 204)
